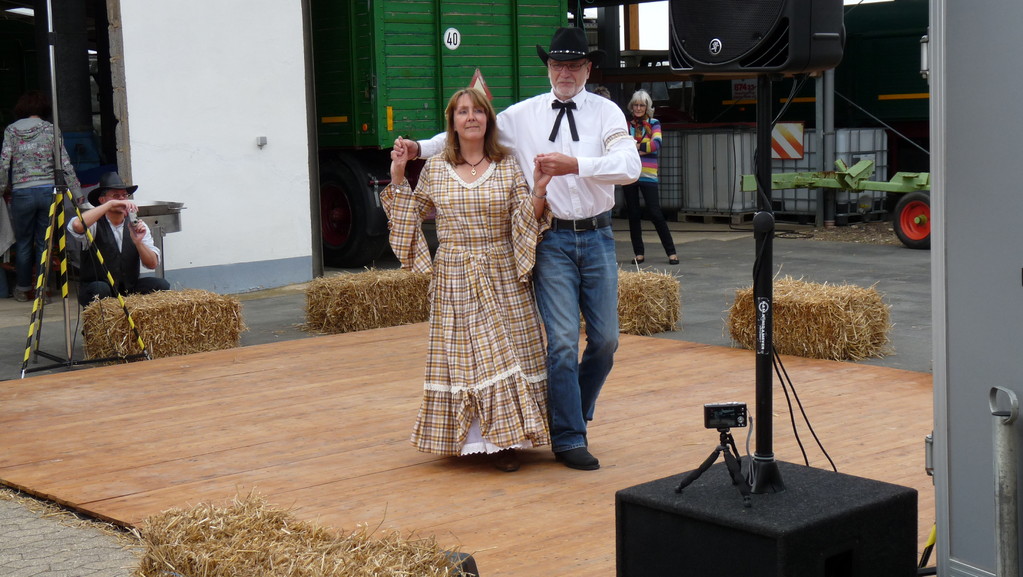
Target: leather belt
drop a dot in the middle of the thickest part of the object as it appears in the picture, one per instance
(592, 223)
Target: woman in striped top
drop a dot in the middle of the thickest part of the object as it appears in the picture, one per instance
(646, 130)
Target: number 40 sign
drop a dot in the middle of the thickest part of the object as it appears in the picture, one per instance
(452, 38)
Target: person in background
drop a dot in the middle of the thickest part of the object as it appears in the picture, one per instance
(582, 141)
(646, 131)
(6, 240)
(123, 240)
(602, 91)
(27, 154)
(486, 382)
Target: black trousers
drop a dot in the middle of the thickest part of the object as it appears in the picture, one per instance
(653, 204)
(101, 289)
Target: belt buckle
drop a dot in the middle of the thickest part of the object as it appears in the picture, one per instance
(591, 222)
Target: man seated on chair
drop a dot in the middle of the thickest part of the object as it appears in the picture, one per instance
(125, 243)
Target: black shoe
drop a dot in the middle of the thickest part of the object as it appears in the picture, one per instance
(505, 460)
(578, 458)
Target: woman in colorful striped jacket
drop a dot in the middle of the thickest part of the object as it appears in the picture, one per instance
(646, 130)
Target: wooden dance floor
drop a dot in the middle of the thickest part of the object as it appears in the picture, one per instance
(321, 426)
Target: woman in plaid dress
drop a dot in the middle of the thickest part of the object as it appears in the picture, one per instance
(486, 379)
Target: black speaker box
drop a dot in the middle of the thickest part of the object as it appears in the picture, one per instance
(747, 38)
(824, 524)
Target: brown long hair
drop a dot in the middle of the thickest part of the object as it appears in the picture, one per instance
(33, 103)
(453, 150)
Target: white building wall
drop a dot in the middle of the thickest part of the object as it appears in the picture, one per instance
(203, 81)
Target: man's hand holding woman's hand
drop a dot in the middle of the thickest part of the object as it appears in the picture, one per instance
(556, 164)
(403, 151)
(540, 180)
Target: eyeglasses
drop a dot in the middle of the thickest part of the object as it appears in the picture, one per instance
(558, 66)
(117, 195)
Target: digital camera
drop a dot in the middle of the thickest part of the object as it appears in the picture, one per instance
(724, 415)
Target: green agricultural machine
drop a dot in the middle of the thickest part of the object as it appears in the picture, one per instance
(385, 69)
(912, 217)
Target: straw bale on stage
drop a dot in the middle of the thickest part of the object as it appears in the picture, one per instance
(648, 302)
(370, 299)
(171, 323)
(817, 321)
(248, 537)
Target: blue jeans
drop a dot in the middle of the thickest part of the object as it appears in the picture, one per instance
(30, 210)
(576, 271)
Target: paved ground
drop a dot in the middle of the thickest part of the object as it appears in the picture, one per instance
(36, 546)
(716, 260)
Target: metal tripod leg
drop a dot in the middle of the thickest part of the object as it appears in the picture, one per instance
(726, 447)
(694, 475)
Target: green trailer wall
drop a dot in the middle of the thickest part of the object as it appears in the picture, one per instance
(383, 68)
(881, 67)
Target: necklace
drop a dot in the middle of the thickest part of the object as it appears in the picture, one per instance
(473, 166)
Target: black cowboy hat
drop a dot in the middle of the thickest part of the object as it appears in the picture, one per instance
(109, 181)
(570, 44)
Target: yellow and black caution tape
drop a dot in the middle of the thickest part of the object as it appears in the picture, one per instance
(56, 227)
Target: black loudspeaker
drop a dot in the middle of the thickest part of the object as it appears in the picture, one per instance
(824, 524)
(747, 38)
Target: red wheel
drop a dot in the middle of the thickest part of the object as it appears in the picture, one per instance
(335, 215)
(913, 220)
(352, 227)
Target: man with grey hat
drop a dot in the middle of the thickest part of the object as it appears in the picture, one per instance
(124, 248)
(583, 142)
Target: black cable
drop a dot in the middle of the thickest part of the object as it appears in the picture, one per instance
(797, 85)
(852, 7)
(722, 113)
(751, 471)
(792, 416)
(882, 123)
(762, 187)
(780, 365)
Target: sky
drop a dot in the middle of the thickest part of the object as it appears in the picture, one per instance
(653, 22)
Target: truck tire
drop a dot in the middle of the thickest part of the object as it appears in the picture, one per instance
(912, 220)
(353, 227)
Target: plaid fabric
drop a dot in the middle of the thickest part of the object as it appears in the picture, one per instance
(486, 355)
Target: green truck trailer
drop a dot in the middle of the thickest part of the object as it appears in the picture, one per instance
(386, 68)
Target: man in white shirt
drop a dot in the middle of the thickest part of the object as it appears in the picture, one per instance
(588, 151)
(124, 243)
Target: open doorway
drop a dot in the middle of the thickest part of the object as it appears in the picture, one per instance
(87, 77)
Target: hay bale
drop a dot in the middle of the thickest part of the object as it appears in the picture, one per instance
(367, 300)
(171, 323)
(648, 302)
(249, 538)
(818, 321)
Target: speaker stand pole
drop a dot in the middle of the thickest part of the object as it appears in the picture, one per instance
(766, 478)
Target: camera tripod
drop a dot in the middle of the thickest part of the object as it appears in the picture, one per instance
(731, 454)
